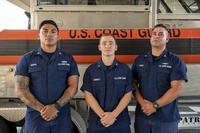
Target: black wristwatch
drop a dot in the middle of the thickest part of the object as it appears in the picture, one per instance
(155, 105)
(58, 107)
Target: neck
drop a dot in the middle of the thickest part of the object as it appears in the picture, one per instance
(48, 49)
(108, 60)
(157, 51)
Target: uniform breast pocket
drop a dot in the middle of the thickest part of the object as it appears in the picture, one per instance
(63, 68)
(120, 87)
(98, 87)
(97, 83)
(163, 78)
(163, 74)
(63, 71)
(35, 72)
(120, 82)
(141, 72)
(34, 69)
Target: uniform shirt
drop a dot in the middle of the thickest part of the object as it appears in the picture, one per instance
(154, 76)
(108, 85)
(48, 79)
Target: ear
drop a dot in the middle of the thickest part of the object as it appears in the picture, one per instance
(167, 39)
(99, 47)
(38, 37)
(116, 47)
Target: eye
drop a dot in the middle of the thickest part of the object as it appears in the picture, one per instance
(44, 31)
(104, 43)
(54, 31)
(111, 43)
(154, 33)
(160, 33)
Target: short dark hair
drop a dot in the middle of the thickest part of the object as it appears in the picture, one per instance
(161, 25)
(107, 34)
(48, 22)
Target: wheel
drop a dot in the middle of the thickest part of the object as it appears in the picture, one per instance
(3, 126)
(75, 129)
(21, 131)
(79, 125)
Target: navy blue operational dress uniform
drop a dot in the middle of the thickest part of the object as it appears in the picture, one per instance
(47, 83)
(154, 75)
(108, 84)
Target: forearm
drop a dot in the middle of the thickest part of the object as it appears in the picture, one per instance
(146, 106)
(67, 96)
(122, 104)
(93, 103)
(21, 85)
(70, 91)
(171, 94)
(138, 96)
(167, 98)
(30, 100)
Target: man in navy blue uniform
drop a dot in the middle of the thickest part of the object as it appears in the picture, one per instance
(46, 79)
(108, 90)
(159, 77)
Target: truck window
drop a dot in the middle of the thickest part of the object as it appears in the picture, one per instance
(93, 2)
(178, 6)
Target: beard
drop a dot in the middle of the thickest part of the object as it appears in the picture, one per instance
(50, 44)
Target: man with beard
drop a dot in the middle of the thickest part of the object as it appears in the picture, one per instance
(159, 77)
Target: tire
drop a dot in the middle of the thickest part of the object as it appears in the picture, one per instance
(3, 126)
(79, 125)
(21, 131)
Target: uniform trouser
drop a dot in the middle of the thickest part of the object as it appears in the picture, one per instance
(152, 126)
(125, 129)
(64, 126)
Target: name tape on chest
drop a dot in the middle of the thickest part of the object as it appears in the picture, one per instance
(119, 78)
(96, 79)
(165, 65)
(63, 63)
(33, 64)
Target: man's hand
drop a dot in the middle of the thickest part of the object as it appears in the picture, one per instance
(107, 119)
(148, 108)
(49, 112)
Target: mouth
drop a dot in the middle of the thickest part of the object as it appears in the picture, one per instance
(156, 41)
(48, 39)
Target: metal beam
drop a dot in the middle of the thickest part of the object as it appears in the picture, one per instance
(24, 4)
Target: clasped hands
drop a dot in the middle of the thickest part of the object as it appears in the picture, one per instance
(49, 112)
(107, 119)
(147, 107)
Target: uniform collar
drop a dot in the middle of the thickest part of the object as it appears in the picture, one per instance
(150, 57)
(100, 64)
(41, 53)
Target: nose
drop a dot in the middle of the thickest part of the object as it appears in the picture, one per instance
(107, 45)
(49, 33)
(156, 36)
